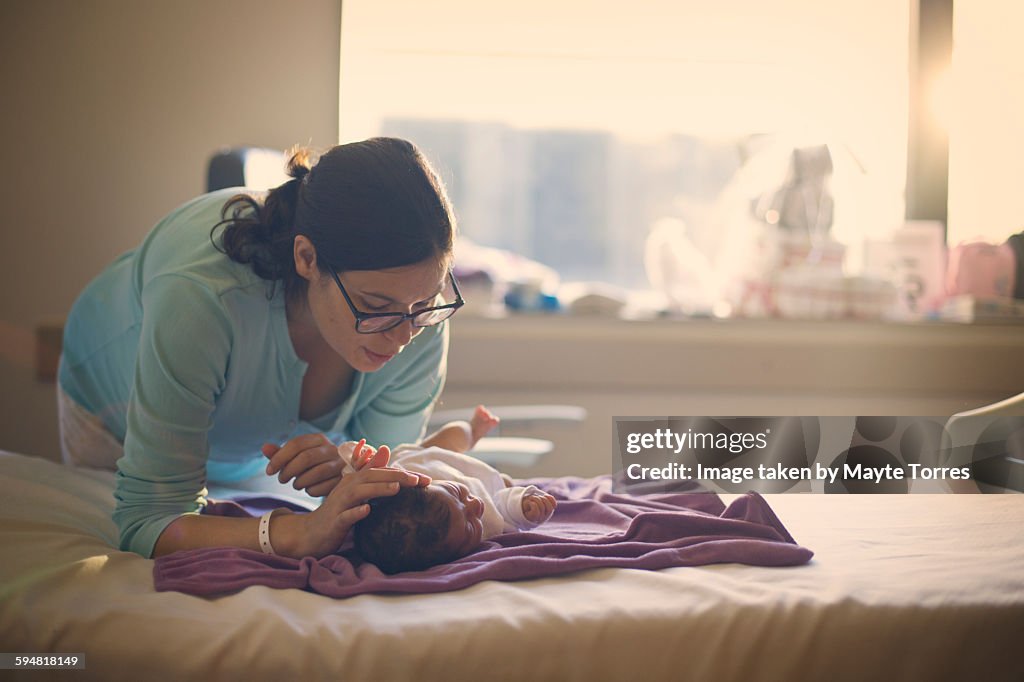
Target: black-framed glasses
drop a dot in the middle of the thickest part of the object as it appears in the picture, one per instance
(374, 323)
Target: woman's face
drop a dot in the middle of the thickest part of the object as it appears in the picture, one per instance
(394, 290)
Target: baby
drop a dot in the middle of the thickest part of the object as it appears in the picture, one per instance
(467, 501)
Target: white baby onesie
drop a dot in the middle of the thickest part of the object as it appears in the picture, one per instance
(503, 506)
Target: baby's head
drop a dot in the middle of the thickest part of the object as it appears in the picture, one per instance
(420, 527)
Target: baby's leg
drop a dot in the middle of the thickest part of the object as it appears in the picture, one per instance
(461, 436)
(482, 423)
(456, 436)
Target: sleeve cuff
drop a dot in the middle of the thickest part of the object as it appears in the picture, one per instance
(514, 505)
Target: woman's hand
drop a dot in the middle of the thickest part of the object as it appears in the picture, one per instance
(311, 459)
(316, 465)
(322, 531)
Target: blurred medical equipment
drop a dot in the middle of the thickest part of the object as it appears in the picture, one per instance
(990, 440)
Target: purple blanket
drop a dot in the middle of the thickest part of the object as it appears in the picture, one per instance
(592, 528)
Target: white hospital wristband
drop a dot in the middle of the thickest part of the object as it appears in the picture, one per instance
(265, 532)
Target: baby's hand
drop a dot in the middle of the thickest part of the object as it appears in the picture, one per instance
(361, 455)
(538, 506)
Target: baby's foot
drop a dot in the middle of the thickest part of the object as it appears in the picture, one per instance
(482, 423)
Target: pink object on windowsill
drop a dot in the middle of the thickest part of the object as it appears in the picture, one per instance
(981, 270)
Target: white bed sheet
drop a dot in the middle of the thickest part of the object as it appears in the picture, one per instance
(901, 587)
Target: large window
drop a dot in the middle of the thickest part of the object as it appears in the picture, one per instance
(566, 129)
(982, 103)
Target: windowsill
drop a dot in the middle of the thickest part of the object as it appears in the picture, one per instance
(535, 350)
(720, 367)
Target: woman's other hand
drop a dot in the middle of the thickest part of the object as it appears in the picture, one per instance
(311, 459)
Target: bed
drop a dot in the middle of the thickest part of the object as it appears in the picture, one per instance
(920, 587)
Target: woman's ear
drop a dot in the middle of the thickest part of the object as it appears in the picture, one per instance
(305, 258)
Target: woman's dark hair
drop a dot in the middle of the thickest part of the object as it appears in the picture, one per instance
(405, 532)
(365, 206)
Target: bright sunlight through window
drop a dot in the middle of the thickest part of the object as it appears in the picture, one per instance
(567, 129)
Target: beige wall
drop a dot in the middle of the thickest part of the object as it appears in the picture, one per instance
(110, 110)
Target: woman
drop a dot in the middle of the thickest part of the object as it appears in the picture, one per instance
(312, 314)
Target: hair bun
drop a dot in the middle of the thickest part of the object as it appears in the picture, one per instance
(300, 162)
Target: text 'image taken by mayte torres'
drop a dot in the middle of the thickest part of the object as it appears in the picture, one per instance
(781, 454)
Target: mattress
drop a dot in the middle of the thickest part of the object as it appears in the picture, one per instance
(901, 587)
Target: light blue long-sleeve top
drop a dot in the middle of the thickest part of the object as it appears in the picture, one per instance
(185, 359)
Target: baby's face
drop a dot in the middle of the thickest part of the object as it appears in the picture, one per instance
(465, 515)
